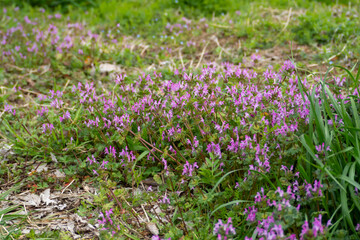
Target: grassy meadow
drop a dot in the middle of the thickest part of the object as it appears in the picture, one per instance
(179, 119)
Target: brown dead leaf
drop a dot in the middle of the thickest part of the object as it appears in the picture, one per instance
(107, 68)
(31, 199)
(45, 197)
(152, 228)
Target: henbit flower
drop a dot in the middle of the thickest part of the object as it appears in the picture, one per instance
(214, 148)
(278, 230)
(357, 228)
(321, 148)
(156, 237)
(103, 221)
(165, 200)
(317, 226)
(108, 213)
(103, 165)
(165, 165)
(339, 82)
(317, 230)
(66, 115)
(251, 212)
(47, 128)
(188, 168)
(315, 190)
(110, 151)
(92, 160)
(120, 78)
(224, 230)
(8, 108)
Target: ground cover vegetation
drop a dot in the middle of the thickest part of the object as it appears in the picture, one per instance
(179, 120)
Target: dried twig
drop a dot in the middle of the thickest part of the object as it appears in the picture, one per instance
(181, 58)
(67, 186)
(202, 55)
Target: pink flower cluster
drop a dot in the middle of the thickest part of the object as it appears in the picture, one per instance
(224, 231)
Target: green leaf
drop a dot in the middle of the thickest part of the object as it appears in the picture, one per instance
(222, 178)
(139, 158)
(6, 123)
(266, 178)
(350, 74)
(9, 209)
(228, 204)
(158, 179)
(351, 181)
(77, 115)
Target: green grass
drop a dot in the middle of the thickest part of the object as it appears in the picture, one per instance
(341, 165)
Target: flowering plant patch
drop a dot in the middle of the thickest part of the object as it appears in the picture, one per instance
(220, 144)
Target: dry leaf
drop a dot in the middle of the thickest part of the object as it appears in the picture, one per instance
(45, 197)
(107, 67)
(5, 150)
(53, 158)
(43, 69)
(42, 168)
(31, 199)
(61, 206)
(152, 228)
(92, 71)
(59, 174)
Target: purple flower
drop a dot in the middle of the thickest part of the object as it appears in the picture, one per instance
(224, 230)
(317, 226)
(281, 192)
(317, 230)
(119, 78)
(339, 82)
(278, 230)
(103, 220)
(91, 160)
(188, 168)
(66, 115)
(357, 228)
(8, 108)
(214, 148)
(251, 213)
(47, 128)
(108, 213)
(165, 165)
(156, 237)
(165, 200)
(103, 165)
(110, 151)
